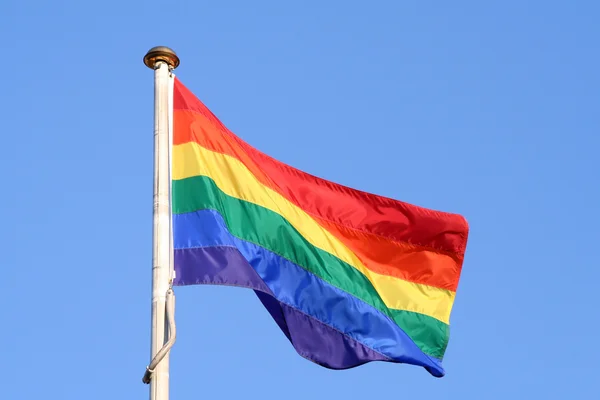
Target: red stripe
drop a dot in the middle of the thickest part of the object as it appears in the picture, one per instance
(351, 208)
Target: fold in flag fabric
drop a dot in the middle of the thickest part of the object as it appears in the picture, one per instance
(350, 277)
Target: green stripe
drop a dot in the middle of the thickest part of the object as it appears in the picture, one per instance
(200, 192)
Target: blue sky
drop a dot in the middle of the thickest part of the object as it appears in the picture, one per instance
(488, 110)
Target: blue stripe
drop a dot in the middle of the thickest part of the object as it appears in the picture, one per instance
(300, 289)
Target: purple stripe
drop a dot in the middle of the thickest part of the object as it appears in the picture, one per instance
(311, 338)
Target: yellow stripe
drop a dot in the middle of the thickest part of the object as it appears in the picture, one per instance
(234, 179)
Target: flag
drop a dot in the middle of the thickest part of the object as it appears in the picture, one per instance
(349, 277)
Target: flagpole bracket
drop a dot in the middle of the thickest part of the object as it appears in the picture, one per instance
(160, 355)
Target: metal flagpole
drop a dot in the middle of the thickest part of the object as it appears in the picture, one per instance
(162, 60)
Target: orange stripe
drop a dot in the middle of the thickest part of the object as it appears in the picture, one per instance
(399, 260)
(379, 254)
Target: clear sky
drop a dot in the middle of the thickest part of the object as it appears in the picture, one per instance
(488, 109)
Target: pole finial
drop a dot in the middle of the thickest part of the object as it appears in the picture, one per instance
(161, 53)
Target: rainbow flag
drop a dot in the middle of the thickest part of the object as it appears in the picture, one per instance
(349, 277)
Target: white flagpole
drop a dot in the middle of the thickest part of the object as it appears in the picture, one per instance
(162, 60)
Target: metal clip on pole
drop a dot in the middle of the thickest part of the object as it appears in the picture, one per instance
(170, 311)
